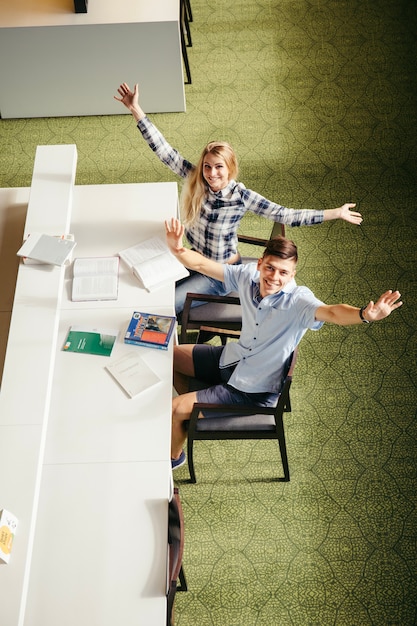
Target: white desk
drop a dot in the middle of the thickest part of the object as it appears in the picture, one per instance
(91, 489)
(98, 525)
(58, 63)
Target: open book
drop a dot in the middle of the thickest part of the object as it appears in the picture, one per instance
(153, 264)
(133, 374)
(47, 248)
(95, 278)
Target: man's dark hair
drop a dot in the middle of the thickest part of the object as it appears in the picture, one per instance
(281, 247)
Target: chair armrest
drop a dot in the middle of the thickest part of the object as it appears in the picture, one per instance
(206, 332)
(262, 241)
(206, 297)
(256, 241)
(231, 409)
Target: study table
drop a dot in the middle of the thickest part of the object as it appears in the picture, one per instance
(87, 473)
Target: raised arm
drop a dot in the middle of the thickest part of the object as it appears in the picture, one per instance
(345, 315)
(260, 205)
(191, 259)
(153, 137)
(343, 213)
(131, 100)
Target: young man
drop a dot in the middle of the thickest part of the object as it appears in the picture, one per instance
(276, 313)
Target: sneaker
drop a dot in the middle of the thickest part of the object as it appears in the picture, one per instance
(176, 463)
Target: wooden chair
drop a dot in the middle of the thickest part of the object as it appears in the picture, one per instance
(241, 422)
(175, 553)
(218, 311)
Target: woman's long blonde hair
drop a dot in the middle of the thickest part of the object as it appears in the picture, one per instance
(195, 187)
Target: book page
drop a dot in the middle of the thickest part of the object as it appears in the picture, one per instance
(160, 271)
(95, 265)
(86, 288)
(143, 251)
(95, 278)
(133, 374)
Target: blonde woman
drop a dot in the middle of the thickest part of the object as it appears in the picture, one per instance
(212, 202)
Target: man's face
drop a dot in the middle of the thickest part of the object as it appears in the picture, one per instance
(275, 273)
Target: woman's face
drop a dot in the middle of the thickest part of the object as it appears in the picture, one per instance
(215, 172)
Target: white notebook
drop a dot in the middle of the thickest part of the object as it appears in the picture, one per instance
(133, 374)
(47, 249)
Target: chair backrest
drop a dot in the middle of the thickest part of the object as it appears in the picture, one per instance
(284, 403)
(219, 311)
(290, 364)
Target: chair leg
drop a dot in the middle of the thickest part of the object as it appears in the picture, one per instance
(185, 21)
(283, 449)
(189, 11)
(183, 581)
(187, 29)
(190, 459)
(185, 58)
(170, 603)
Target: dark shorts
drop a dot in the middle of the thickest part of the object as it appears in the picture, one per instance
(211, 381)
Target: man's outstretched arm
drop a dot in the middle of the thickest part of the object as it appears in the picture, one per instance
(345, 315)
(191, 259)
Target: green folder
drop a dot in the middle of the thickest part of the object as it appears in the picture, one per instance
(90, 341)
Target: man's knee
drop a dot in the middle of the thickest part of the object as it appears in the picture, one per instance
(183, 359)
(182, 406)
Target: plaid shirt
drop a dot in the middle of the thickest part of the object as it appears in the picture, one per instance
(214, 234)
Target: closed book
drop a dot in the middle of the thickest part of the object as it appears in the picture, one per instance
(150, 330)
(98, 341)
(133, 374)
(47, 249)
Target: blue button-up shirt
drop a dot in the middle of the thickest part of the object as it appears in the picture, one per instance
(214, 233)
(271, 329)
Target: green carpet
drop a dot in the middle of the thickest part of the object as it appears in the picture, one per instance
(319, 99)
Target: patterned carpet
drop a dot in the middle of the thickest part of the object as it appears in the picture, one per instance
(319, 100)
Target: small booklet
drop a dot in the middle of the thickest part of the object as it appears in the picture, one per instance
(150, 330)
(95, 278)
(153, 264)
(8, 526)
(47, 248)
(28, 261)
(90, 340)
(133, 374)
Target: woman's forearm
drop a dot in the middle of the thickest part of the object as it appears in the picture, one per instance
(331, 214)
(137, 112)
